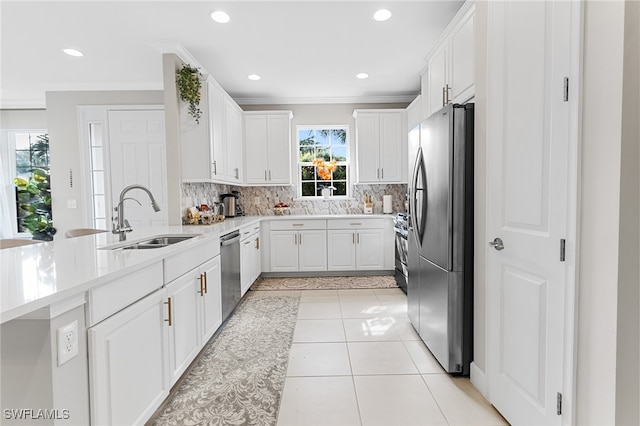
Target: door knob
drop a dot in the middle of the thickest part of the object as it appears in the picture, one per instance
(497, 244)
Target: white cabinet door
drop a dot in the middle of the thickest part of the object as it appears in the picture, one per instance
(267, 139)
(312, 250)
(370, 249)
(255, 153)
(283, 248)
(341, 251)
(367, 147)
(279, 144)
(391, 152)
(246, 264)
(233, 140)
(211, 300)
(129, 374)
(463, 60)
(216, 126)
(436, 91)
(381, 146)
(184, 341)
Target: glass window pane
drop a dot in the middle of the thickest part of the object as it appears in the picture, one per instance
(339, 152)
(98, 205)
(323, 137)
(23, 159)
(308, 189)
(308, 172)
(341, 188)
(96, 158)
(22, 141)
(340, 173)
(95, 134)
(307, 154)
(338, 136)
(98, 183)
(306, 137)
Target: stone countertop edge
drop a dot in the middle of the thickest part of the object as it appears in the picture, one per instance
(40, 275)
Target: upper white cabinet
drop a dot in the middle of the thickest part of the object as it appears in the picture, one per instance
(381, 146)
(216, 156)
(267, 144)
(450, 73)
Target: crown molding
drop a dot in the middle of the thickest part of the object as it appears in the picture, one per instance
(332, 100)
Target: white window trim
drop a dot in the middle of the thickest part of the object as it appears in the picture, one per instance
(348, 195)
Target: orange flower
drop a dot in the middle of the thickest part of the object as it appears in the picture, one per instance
(325, 169)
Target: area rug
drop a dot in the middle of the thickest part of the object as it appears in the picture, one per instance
(238, 379)
(325, 283)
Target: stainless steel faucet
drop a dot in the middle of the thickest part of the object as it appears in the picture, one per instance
(120, 224)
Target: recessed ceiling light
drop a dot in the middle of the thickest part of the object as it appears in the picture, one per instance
(73, 52)
(220, 17)
(362, 75)
(382, 15)
(254, 77)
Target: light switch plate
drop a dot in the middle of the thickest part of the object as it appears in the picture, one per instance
(71, 204)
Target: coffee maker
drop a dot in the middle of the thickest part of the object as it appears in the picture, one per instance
(232, 207)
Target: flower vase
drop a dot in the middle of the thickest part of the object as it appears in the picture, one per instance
(326, 193)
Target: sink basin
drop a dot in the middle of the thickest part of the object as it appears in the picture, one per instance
(152, 243)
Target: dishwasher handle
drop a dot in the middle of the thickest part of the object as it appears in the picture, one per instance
(227, 240)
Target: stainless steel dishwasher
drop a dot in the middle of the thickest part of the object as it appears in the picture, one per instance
(230, 269)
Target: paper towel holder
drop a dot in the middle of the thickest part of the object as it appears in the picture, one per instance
(387, 204)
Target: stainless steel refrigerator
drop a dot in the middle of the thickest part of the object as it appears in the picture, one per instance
(440, 246)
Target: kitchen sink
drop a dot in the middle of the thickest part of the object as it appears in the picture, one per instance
(152, 243)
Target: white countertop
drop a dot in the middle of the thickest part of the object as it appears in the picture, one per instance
(36, 276)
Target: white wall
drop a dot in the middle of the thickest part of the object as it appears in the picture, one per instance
(66, 161)
(628, 336)
(608, 249)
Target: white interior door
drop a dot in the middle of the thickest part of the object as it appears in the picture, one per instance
(137, 156)
(529, 49)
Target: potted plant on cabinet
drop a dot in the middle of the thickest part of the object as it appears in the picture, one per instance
(189, 85)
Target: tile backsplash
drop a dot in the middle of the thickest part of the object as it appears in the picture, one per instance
(259, 200)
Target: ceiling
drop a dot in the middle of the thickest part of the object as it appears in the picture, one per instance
(305, 51)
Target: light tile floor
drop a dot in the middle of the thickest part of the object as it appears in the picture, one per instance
(356, 360)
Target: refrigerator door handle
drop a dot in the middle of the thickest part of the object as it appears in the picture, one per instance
(419, 212)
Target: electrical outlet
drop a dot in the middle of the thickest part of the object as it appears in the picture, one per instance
(256, 200)
(67, 342)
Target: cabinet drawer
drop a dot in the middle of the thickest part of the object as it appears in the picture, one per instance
(289, 224)
(249, 230)
(182, 263)
(115, 295)
(355, 223)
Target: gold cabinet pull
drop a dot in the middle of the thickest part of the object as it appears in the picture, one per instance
(355, 223)
(357, 238)
(354, 237)
(297, 224)
(168, 302)
(205, 282)
(201, 278)
(258, 243)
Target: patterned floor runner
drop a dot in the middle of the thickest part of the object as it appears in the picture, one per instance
(325, 283)
(239, 378)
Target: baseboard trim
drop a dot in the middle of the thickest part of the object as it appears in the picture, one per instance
(325, 274)
(479, 380)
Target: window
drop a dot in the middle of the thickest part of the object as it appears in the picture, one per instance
(326, 144)
(25, 150)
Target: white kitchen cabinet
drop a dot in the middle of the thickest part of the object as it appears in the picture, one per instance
(294, 251)
(129, 362)
(250, 256)
(212, 150)
(298, 245)
(267, 147)
(450, 70)
(210, 307)
(381, 146)
(356, 245)
(184, 341)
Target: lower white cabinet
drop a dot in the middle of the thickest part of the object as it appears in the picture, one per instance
(361, 249)
(250, 259)
(293, 251)
(138, 353)
(358, 244)
(129, 363)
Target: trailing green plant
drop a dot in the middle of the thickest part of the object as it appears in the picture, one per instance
(34, 198)
(189, 85)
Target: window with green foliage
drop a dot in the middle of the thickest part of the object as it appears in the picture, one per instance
(323, 160)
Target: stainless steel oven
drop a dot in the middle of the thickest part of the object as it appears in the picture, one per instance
(401, 232)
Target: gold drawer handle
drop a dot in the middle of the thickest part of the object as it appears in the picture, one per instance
(205, 283)
(201, 278)
(298, 224)
(355, 224)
